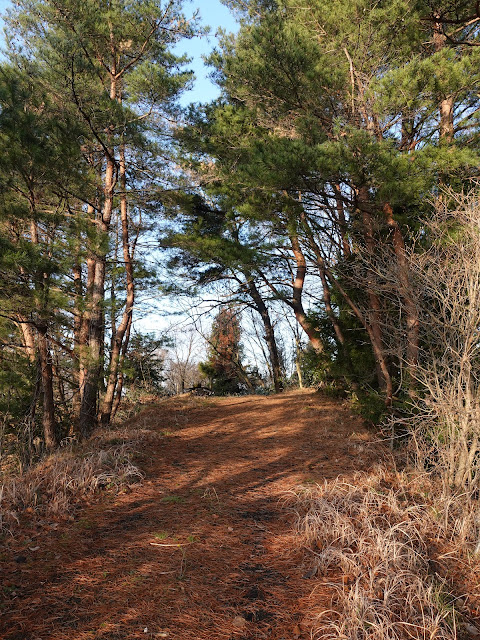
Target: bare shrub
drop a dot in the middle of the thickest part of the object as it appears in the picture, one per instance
(375, 533)
(441, 384)
(446, 276)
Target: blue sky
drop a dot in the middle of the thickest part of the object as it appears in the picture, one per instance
(212, 13)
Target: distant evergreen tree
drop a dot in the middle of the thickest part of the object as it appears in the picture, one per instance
(212, 244)
(144, 364)
(224, 364)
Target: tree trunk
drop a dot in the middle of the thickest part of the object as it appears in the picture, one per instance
(82, 343)
(121, 377)
(296, 303)
(327, 299)
(298, 367)
(405, 289)
(93, 365)
(46, 372)
(77, 329)
(373, 322)
(28, 337)
(342, 223)
(92, 330)
(383, 374)
(121, 333)
(446, 128)
(44, 357)
(269, 335)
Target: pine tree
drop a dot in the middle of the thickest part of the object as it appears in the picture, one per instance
(37, 146)
(338, 122)
(213, 245)
(109, 66)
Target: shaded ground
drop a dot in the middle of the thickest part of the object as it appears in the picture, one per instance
(204, 548)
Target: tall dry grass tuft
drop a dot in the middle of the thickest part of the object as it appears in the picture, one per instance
(107, 460)
(379, 534)
(55, 485)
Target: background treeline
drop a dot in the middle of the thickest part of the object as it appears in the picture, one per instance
(336, 159)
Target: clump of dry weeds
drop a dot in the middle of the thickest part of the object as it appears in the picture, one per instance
(381, 532)
(61, 480)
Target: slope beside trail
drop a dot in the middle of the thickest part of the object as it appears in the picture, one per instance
(204, 548)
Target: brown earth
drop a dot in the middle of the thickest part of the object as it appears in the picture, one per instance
(204, 548)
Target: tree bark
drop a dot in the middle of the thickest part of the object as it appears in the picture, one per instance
(269, 334)
(298, 366)
(94, 317)
(121, 333)
(44, 357)
(373, 322)
(446, 128)
(46, 372)
(82, 343)
(91, 386)
(296, 303)
(77, 329)
(92, 364)
(28, 336)
(121, 376)
(342, 223)
(405, 290)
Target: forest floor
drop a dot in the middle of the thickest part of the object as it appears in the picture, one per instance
(204, 548)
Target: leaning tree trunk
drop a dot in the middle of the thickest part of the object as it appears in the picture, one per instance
(262, 309)
(121, 376)
(327, 298)
(372, 320)
(296, 302)
(374, 323)
(377, 348)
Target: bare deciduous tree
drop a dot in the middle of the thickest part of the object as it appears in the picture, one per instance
(447, 278)
(182, 370)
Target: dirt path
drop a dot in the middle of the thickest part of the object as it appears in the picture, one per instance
(204, 548)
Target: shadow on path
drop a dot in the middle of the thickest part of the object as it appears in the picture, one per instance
(204, 548)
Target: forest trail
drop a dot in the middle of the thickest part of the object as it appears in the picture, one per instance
(202, 549)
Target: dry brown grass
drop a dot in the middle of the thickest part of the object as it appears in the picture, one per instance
(59, 482)
(55, 485)
(380, 533)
